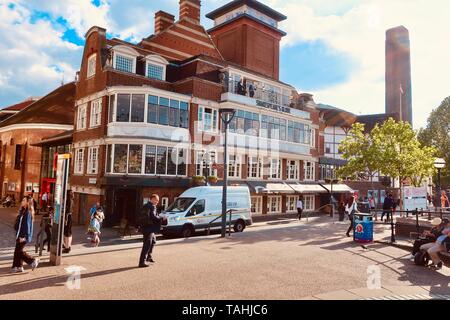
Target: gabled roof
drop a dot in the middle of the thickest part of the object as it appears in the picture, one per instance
(55, 108)
(19, 106)
(251, 3)
(181, 41)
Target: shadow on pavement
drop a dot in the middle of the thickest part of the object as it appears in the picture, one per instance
(55, 281)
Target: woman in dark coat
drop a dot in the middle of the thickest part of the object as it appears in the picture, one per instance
(24, 235)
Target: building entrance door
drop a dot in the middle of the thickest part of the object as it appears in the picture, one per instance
(125, 205)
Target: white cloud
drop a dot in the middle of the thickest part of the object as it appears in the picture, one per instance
(360, 33)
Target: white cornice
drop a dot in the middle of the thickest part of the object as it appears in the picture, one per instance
(36, 126)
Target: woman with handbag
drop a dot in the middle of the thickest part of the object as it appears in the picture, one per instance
(24, 235)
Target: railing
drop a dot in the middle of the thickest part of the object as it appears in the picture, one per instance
(260, 94)
(413, 213)
(220, 217)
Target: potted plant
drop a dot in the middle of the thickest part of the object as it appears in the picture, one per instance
(198, 180)
(212, 179)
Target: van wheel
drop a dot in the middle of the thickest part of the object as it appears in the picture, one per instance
(239, 226)
(188, 231)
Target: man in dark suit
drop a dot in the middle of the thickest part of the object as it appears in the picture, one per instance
(150, 224)
(388, 205)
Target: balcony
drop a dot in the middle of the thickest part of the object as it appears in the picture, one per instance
(257, 94)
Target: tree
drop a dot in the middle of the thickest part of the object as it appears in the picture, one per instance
(402, 155)
(437, 134)
(362, 152)
(391, 149)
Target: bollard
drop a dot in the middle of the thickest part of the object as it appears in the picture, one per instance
(407, 213)
(417, 221)
(441, 214)
(392, 230)
(429, 215)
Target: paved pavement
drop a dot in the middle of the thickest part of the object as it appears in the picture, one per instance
(272, 260)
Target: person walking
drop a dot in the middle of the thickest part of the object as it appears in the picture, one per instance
(149, 223)
(95, 227)
(24, 235)
(67, 246)
(351, 208)
(299, 208)
(44, 199)
(388, 205)
(48, 228)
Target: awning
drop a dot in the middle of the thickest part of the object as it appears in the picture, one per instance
(257, 186)
(308, 188)
(339, 188)
(278, 188)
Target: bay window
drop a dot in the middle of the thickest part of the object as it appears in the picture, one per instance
(150, 160)
(135, 159)
(152, 111)
(137, 108)
(163, 111)
(123, 108)
(120, 158)
(174, 113)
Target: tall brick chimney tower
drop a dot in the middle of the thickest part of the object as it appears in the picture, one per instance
(190, 10)
(398, 74)
(163, 20)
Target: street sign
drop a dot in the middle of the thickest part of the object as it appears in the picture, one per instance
(62, 175)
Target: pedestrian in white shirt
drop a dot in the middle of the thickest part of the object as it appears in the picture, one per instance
(299, 208)
(351, 208)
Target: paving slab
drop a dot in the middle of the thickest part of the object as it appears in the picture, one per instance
(337, 295)
(406, 290)
(370, 293)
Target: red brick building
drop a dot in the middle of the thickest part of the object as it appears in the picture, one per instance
(20, 160)
(148, 115)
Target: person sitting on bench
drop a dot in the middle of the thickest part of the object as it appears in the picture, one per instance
(427, 238)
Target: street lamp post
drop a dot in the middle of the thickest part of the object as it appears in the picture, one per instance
(227, 116)
(439, 164)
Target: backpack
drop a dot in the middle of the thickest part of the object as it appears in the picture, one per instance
(421, 258)
(143, 219)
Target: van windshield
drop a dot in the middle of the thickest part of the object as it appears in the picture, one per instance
(180, 205)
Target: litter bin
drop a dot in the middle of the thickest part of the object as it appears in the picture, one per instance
(363, 227)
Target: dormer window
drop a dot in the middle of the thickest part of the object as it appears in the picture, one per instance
(124, 63)
(156, 67)
(125, 59)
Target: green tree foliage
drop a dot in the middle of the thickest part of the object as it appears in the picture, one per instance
(391, 149)
(437, 134)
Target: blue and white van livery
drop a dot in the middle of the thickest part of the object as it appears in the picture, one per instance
(199, 207)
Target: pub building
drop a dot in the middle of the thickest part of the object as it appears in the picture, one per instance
(147, 115)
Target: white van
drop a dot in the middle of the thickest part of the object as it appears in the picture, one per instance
(199, 208)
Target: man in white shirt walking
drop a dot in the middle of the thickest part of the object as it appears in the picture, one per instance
(299, 208)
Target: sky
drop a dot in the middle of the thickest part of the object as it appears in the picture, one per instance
(333, 49)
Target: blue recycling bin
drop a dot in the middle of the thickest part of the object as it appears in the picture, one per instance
(363, 228)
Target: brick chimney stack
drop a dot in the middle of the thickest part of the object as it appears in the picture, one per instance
(190, 10)
(163, 20)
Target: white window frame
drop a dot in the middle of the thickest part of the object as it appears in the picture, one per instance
(214, 125)
(92, 165)
(156, 61)
(258, 205)
(291, 204)
(164, 203)
(96, 113)
(81, 117)
(199, 166)
(260, 167)
(278, 200)
(313, 138)
(309, 171)
(78, 167)
(289, 170)
(309, 202)
(126, 52)
(236, 166)
(91, 65)
(279, 170)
